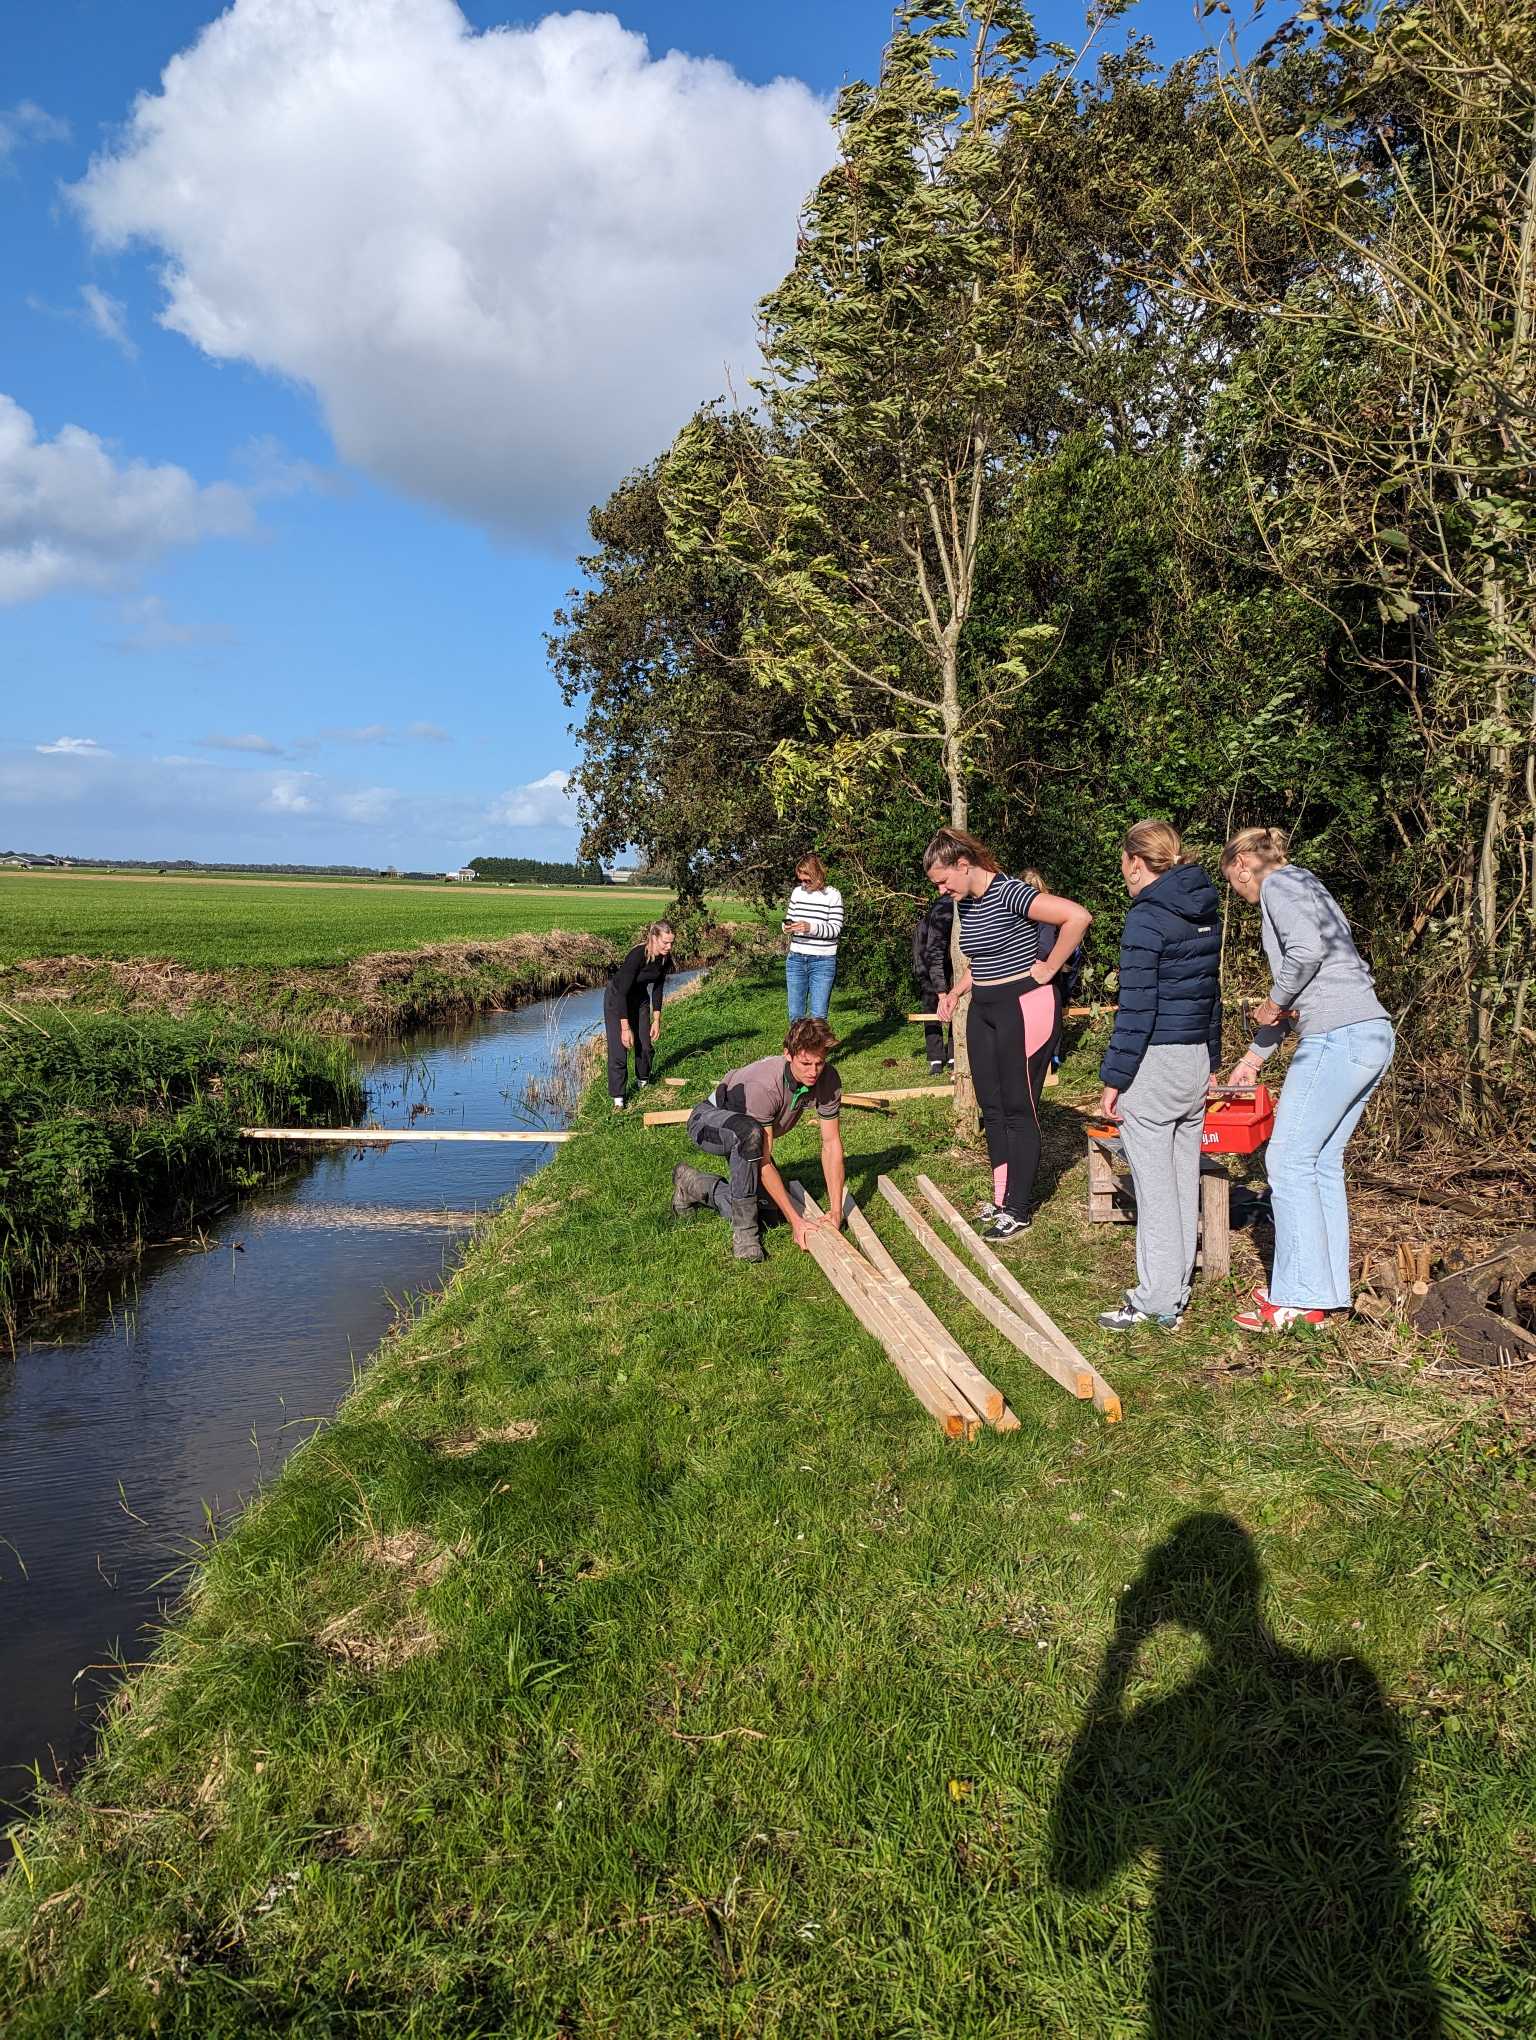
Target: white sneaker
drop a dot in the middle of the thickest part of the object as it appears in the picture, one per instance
(935, 1069)
(618, 1104)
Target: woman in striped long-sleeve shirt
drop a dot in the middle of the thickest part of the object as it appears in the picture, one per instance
(1015, 1012)
(813, 921)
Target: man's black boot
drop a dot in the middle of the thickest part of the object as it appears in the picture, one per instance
(691, 1188)
(746, 1238)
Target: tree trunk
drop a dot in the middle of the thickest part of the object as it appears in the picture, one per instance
(967, 1118)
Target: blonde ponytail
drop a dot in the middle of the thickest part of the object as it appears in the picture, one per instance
(1157, 844)
(1267, 848)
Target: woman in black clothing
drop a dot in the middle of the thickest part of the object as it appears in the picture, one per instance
(1015, 1012)
(934, 974)
(636, 983)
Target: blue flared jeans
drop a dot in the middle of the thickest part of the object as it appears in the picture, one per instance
(1326, 1089)
(808, 985)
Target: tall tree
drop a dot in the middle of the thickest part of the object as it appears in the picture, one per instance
(1385, 422)
(860, 513)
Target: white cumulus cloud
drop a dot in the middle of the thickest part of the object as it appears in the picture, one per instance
(73, 515)
(293, 795)
(543, 803)
(510, 262)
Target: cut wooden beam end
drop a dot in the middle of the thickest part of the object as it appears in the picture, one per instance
(1109, 1409)
(1007, 1421)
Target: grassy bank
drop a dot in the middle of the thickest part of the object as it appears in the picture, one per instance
(274, 925)
(117, 1130)
(632, 1656)
(309, 955)
(387, 992)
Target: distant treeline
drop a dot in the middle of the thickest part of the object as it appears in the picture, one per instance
(534, 871)
(158, 864)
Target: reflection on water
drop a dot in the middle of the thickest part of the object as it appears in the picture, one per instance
(196, 1384)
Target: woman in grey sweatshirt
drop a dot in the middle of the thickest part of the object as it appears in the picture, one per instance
(1345, 1042)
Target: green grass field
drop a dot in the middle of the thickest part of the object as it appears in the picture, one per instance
(221, 923)
(633, 1657)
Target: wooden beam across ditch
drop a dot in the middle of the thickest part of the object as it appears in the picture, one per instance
(1104, 1398)
(359, 1136)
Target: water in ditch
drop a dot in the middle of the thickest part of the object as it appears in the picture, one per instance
(124, 1432)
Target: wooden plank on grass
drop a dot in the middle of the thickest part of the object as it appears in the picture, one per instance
(912, 1091)
(874, 1303)
(350, 1136)
(872, 1243)
(1074, 1378)
(1067, 1013)
(1104, 1398)
(985, 1398)
(956, 1362)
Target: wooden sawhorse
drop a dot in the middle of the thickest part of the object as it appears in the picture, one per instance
(1111, 1201)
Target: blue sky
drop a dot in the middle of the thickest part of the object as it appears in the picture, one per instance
(315, 347)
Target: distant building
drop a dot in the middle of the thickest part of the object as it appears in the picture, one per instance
(621, 876)
(465, 875)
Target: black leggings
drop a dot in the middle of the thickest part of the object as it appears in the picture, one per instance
(638, 1013)
(1010, 1033)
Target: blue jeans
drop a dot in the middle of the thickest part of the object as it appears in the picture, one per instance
(1326, 1089)
(808, 983)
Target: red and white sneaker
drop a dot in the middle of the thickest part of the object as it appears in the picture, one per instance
(1277, 1317)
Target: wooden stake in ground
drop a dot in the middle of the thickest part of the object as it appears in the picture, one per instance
(1104, 1398)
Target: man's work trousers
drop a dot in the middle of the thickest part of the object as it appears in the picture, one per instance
(715, 1130)
(638, 1013)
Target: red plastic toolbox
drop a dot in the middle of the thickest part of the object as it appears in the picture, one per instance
(1240, 1124)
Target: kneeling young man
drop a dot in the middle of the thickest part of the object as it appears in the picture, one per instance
(740, 1120)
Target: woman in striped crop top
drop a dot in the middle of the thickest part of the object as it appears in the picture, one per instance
(1015, 1012)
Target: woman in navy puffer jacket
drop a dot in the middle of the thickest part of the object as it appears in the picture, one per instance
(1161, 1063)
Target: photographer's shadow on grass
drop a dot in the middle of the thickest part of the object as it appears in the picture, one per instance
(1270, 1789)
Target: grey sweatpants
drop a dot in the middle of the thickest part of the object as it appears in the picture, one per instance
(1162, 1112)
